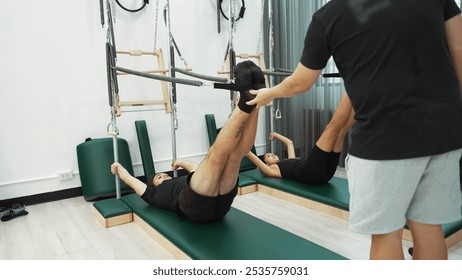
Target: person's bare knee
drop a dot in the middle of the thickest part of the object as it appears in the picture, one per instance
(206, 178)
(204, 183)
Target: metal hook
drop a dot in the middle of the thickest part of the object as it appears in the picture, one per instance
(277, 114)
(114, 130)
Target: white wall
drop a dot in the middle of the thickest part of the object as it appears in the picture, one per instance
(53, 88)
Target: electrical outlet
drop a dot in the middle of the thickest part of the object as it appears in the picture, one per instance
(67, 175)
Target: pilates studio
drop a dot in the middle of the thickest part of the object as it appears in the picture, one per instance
(120, 115)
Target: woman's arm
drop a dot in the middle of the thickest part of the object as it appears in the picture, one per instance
(265, 169)
(189, 166)
(138, 186)
(289, 144)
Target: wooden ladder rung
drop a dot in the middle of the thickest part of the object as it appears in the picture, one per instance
(138, 53)
(141, 103)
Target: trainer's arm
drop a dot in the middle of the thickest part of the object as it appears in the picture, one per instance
(300, 81)
(138, 186)
(289, 144)
(265, 169)
(454, 37)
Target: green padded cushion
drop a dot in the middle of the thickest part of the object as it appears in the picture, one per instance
(335, 193)
(237, 236)
(145, 149)
(94, 160)
(112, 207)
(212, 130)
(245, 181)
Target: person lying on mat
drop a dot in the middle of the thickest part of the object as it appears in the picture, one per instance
(207, 192)
(319, 167)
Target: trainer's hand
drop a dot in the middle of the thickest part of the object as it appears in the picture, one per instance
(262, 97)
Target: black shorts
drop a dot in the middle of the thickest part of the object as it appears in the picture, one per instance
(204, 209)
(318, 168)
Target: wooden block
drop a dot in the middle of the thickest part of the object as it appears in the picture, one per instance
(113, 221)
(247, 189)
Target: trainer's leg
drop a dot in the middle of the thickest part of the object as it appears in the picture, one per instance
(231, 171)
(428, 241)
(339, 120)
(387, 246)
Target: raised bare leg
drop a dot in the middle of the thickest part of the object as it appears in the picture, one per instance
(207, 176)
(339, 121)
(338, 145)
(231, 169)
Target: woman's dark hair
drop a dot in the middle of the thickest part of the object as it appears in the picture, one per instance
(150, 183)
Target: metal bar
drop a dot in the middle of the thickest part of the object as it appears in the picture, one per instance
(160, 77)
(201, 76)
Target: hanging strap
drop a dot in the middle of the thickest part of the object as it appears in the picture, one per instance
(233, 87)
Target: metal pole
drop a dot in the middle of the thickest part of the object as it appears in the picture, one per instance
(116, 158)
(271, 66)
(113, 90)
(232, 54)
(172, 86)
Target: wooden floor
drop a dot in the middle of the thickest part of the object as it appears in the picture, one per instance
(67, 229)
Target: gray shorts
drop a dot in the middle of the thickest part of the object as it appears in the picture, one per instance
(384, 194)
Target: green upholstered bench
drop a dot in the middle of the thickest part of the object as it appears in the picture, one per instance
(112, 212)
(331, 198)
(237, 236)
(145, 149)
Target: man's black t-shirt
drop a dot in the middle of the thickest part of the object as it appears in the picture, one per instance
(397, 69)
(165, 195)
